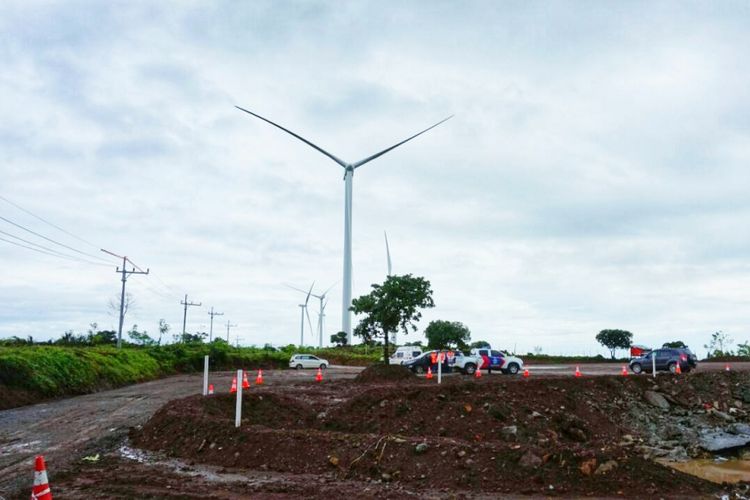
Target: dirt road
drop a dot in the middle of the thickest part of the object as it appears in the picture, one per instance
(68, 429)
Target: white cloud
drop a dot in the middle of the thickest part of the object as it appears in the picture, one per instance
(594, 176)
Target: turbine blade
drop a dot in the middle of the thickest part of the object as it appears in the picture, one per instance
(318, 148)
(308, 295)
(308, 320)
(376, 155)
(388, 252)
(329, 289)
(295, 288)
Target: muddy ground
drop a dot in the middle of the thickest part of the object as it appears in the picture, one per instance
(497, 436)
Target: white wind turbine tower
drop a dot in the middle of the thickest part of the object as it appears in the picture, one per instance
(388, 255)
(303, 313)
(321, 313)
(349, 168)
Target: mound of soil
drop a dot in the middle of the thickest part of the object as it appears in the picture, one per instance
(495, 435)
(384, 373)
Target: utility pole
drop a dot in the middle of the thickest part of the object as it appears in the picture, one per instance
(124, 278)
(229, 325)
(211, 328)
(184, 314)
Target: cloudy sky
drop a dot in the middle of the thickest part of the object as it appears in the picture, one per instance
(595, 174)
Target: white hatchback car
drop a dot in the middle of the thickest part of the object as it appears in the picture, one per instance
(300, 361)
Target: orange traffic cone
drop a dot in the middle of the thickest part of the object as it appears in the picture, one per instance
(259, 378)
(678, 370)
(578, 371)
(319, 376)
(726, 368)
(245, 383)
(210, 389)
(234, 385)
(40, 490)
(624, 371)
(478, 373)
(429, 372)
(526, 373)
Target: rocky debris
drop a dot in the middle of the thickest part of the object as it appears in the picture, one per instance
(716, 440)
(588, 467)
(656, 399)
(606, 467)
(530, 459)
(421, 448)
(508, 431)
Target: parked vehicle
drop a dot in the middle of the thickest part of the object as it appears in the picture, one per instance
(667, 359)
(423, 361)
(403, 354)
(498, 360)
(300, 361)
(452, 361)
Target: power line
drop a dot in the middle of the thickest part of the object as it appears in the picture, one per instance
(6, 200)
(46, 250)
(51, 240)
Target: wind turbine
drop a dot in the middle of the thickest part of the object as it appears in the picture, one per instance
(321, 314)
(349, 168)
(303, 313)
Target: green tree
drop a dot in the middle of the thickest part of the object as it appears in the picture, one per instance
(140, 338)
(443, 334)
(339, 339)
(163, 330)
(480, 344)
(743, 350)
(614, 339)
(719, 345)
(393, 306)
(677, 344)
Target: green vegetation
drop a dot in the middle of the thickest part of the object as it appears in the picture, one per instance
(58, 370)
(443, 334)
(614, 339)
(393, 306)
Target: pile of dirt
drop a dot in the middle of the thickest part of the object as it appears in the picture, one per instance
(13, 398)
(384, 373)
(499, 435)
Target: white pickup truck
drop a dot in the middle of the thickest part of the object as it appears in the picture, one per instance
(498, 360)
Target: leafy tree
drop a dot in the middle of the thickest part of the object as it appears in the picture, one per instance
(194, 338)
(417, 343)
(743, 350)
(614, 339)
(677, 344)
(140, 338)
(719, 345)
(443, 334)
(480, 344)
(339, 339)
(163, 330)
(393, 306)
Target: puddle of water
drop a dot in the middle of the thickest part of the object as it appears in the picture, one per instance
(723, 471)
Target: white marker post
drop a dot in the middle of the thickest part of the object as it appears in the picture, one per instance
(441, 356)
(238, 410)
(205, 375)
(653, 363)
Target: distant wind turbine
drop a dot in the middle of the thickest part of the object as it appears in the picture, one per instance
(321, 313)
(303, 313)
(346, 318)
